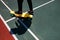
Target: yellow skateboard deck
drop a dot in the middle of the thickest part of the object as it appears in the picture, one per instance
(24, 14)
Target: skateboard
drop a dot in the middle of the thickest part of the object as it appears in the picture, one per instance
(23, 15)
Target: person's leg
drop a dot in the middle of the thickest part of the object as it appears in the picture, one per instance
(30, 6)
(20, 2)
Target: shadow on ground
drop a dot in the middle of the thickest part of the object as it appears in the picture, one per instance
(21, 29)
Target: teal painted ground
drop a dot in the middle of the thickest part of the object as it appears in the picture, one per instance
(45, 23)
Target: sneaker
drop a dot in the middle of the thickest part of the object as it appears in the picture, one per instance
(18, 12)
(30, 12)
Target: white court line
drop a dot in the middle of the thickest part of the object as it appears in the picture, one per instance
(33, 9)
(5, 5)
(43, 5)
(8, 27)
(10, 19)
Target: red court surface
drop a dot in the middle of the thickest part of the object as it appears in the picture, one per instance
(4, 32)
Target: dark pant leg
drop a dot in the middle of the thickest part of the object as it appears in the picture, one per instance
(30, 5)
(20, 2)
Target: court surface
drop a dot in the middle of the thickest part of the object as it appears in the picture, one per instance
(45, 23)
